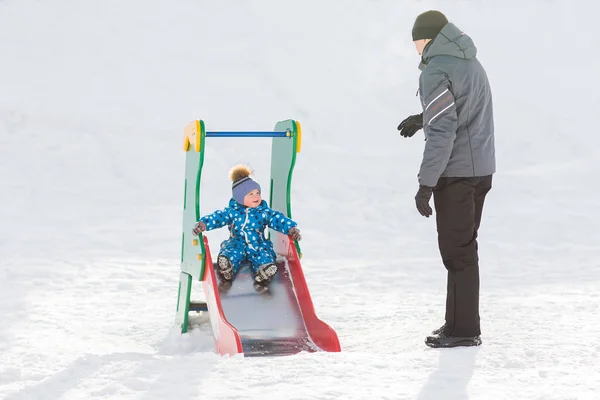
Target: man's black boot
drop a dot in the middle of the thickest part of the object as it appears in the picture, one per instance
(444, 340)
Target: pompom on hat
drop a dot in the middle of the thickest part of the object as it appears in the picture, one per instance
(242, 183)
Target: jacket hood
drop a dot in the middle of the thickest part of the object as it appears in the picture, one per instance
(451, 41)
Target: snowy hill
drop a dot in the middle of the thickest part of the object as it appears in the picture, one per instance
(93, 100)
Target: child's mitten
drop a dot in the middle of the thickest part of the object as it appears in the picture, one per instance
(295, 233)
(199, 228)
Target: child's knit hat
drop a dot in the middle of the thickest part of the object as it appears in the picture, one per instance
(242, 183)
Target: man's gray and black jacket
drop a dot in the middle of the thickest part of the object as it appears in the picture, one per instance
(458, 118)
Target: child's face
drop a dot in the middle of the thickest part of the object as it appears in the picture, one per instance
(252, 199)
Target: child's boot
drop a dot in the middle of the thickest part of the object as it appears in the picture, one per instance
(225, 269)
(265, 272)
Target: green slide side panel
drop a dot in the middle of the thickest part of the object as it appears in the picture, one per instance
(192, 247)
(283, 159)
(183, 301)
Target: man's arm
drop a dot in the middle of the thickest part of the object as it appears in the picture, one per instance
(440, 122)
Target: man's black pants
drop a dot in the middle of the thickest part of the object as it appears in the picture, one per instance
(458, 206)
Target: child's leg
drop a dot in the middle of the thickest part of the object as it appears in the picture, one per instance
(263, 264)
(230, 259)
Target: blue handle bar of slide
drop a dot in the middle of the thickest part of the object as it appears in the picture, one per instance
(248, 134)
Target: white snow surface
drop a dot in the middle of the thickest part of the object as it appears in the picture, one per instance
(94, 96)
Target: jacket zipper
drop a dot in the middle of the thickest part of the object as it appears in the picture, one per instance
(244, 225)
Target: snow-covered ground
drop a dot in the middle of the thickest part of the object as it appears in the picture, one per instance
(94, 96)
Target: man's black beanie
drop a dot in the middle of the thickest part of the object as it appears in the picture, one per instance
(428, 25)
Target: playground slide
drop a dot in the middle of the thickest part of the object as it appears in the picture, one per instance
(243, 321)
(280, 323)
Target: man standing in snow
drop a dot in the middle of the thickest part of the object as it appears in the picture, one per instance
(458, 164)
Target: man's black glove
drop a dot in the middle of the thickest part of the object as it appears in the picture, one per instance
(411, 125)
(422, 200)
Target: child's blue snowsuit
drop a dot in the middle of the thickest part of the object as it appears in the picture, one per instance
(246, 232)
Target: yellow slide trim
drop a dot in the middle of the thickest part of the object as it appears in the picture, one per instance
(298, 136)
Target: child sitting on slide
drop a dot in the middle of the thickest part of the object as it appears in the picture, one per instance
(247, 217)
